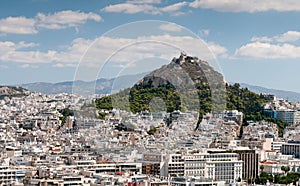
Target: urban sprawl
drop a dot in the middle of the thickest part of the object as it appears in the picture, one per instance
(41, 146)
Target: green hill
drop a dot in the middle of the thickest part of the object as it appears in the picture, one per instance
(186, 83)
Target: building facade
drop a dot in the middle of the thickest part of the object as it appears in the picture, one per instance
(291, 148)
(250, 160)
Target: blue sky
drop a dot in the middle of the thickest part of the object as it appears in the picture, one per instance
(255, 41)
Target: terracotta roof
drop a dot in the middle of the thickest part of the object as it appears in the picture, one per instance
(270, 163)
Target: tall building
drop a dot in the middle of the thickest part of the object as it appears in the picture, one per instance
(250, 163)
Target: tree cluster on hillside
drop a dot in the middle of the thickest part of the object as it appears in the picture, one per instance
(65, 113)
(138, 98)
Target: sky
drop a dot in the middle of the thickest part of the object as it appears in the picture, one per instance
(255, 41)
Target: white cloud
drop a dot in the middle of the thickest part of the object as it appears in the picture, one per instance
(261, 39)
(8, 46)
(179, 13)
(218, 50)
(170, 27)
(63, 19)
(14, 52)
(274, 47)
(247, 6)
(132, 8)
(165, 46)
(74, 52)
(268, 51)
(289, 36)
(144, 7)
(174, 7)
(22, 44)
(59, 65)
(99, 50)
(29, 56)
(58, 20)
(17, 25)
(28, 66)
(144, 1)
(62, 65)
(24, 66)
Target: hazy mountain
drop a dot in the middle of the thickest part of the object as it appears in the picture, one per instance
(289, 95)
(12, 91)
(100, 86)
(107, 86)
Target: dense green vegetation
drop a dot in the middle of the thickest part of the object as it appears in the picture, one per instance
(65, 112)
(243, 100)
(250, 104)
(263, 178)
(291, 177)
(140, 95)
(102, 115)
(152, 130)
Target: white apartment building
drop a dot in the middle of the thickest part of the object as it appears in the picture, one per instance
(108, 167)
(272, 167)
(9, 176)
(233, 115)
(217, 166)
(195, 165)
(224, 166)
(276, 145)
(183, 182)
(175, 165)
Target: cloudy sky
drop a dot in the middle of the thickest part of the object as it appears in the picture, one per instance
(255, 41)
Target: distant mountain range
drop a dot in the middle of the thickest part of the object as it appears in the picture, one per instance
(105, 86)
(289, 95)
(100, 86)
